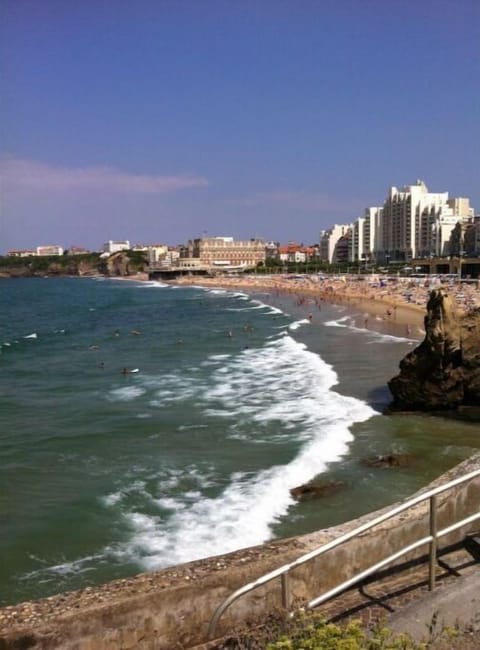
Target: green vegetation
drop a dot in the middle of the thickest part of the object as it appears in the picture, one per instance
(310, 632)
(137, 260)
(37, 263)
(69, 264)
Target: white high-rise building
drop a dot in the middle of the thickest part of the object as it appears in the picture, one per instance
(329, 240)
(417, 222)
(365, 232)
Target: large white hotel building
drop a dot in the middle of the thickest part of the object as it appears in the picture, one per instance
(412, 223)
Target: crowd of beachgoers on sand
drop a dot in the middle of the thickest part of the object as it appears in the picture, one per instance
(398, 298)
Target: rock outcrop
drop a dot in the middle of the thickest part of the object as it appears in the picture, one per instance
(315, 489)
(443, 372)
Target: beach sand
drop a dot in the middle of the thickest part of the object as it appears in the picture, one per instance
(385, 305)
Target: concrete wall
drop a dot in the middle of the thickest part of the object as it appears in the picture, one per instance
(172, 608)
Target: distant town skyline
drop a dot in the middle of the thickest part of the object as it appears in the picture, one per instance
(159, 122)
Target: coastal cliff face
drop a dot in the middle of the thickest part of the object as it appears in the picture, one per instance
(117, 265)
(443, 372)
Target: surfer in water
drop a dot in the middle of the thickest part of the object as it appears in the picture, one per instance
(129, 371)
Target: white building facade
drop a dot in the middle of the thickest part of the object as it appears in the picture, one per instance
(116, 246)
(366, 231)
(329, 240)
(50, 249)
(418, 223)
(225, 252)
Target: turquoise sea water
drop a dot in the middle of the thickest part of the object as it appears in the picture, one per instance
(237, 399)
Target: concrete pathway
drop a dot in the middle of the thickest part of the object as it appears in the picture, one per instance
(456, 603)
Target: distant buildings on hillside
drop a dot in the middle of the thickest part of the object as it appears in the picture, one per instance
(40, 251)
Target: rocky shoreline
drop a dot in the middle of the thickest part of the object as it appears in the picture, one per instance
(443, 372)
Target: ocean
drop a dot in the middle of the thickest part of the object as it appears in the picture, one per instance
(237, 399)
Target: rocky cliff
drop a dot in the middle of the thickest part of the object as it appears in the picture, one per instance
(119, 264)
(443, 372)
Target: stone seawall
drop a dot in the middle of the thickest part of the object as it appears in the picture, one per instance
(172, 608)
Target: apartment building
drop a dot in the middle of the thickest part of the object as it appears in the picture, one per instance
(418, 223)
(329, 240)
(156, 253)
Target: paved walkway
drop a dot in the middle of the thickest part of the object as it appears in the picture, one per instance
(454, 604)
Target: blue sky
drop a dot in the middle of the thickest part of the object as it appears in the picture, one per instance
(158, 120)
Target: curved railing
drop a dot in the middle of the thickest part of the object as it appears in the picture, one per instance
(432, 539)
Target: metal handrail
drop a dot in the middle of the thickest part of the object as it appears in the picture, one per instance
(432, 538)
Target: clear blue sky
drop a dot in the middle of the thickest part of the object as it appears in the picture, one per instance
(159, 120)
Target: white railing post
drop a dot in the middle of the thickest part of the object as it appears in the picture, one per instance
(433, 544)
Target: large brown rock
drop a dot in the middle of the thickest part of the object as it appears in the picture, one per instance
(443, 372)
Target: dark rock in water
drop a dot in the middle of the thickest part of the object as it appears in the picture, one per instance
(389, 460)
(443, 372)
(314, 489)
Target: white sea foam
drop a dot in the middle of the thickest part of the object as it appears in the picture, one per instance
(45, 574)
(188, 427)
(298, 323)
(113, 499)
(151, 283)
(275, 310)
(281, 383)
(376, 337)
(271, 308)
(125, 394)
(341, 322)
(34, 335)
(243, 308)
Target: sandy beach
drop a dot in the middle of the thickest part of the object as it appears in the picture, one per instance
(379, 302)
(399, 300)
